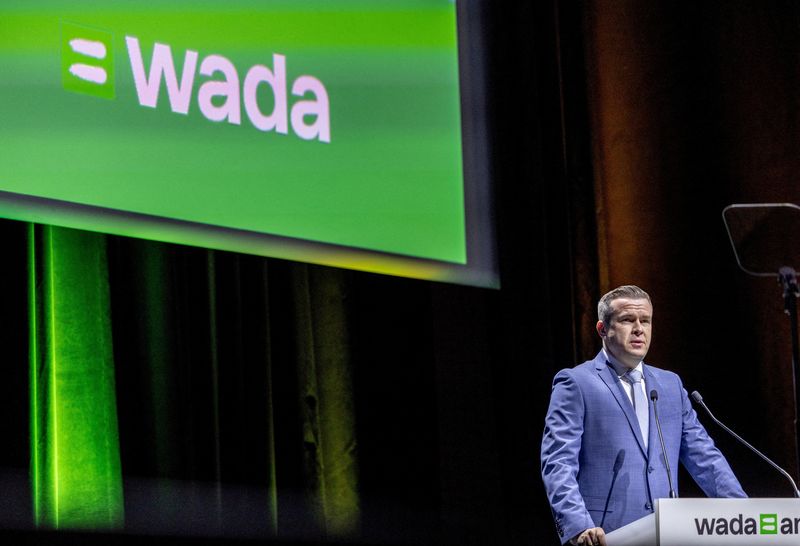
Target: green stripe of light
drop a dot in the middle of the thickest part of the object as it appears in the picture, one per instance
(34, 380)
(52, 443)
(367, 27)
(75, 445)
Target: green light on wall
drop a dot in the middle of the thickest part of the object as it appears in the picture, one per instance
(75, 461)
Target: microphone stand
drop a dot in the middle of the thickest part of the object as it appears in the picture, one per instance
(787, 276)
(756, 232)
(654, 399)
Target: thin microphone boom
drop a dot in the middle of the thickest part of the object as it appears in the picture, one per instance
(699, 399)
(617, 465)
(654, 398)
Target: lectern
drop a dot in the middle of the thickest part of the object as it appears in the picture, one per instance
(714, 522)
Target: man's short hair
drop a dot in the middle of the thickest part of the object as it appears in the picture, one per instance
(604, 310)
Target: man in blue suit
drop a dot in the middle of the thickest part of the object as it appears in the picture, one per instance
(602, 462)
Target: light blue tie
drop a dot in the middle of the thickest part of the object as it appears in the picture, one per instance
(634, 377)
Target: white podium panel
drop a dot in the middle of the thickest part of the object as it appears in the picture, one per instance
(715, 522)
(641, 532)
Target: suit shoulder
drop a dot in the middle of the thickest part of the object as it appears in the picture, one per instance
(577, 372)
(660, 371)
(666, 376)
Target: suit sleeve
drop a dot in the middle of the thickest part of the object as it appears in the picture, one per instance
(704, 461)
(561, 446)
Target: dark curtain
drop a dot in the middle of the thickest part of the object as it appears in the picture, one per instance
(237, 413)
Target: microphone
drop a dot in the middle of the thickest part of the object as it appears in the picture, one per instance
(699, 399)
(654, 398)
(617, 465)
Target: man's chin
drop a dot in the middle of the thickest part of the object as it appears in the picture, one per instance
(638, 354)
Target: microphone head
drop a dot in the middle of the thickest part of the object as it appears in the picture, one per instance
(654, 395)
(619, 460)
(697, 398)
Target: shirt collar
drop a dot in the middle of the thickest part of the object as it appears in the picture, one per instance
(619, 369)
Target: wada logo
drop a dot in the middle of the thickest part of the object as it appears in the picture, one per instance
(766, 524)
(87, 66)
(87, 60)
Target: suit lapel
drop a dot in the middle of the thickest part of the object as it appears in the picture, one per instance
(609, 377)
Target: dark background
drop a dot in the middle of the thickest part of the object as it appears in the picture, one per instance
(618, 131)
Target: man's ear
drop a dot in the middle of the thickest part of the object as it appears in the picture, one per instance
(601, 328)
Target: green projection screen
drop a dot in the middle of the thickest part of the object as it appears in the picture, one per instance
(339, 132)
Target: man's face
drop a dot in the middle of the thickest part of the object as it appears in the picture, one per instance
(627, 334)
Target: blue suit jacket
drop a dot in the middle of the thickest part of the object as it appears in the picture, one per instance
(591, 428)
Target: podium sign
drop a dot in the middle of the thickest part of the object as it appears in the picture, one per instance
(711, 522)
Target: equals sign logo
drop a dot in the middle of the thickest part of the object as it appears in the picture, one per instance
(87, 60)
(90, 48)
